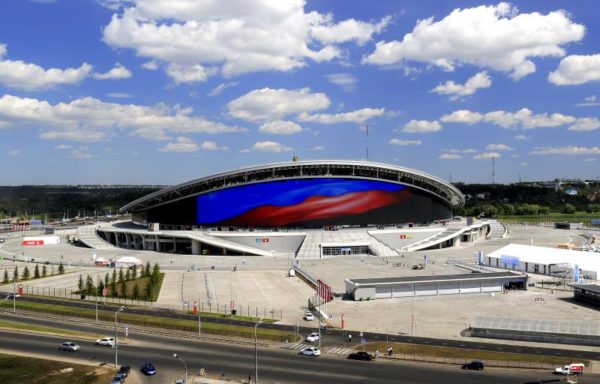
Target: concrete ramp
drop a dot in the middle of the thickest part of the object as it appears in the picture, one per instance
(88, 236)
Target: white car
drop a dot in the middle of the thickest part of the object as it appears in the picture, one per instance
(308, 316)
(311, 351)
(106, 341)
(313, 337)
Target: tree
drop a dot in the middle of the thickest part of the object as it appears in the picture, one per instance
(593, 208)
(113, 279)
(128, 275)
(89, 285)
(123, 289)
(16, 274)
(36, 272)
(148, 270)
(149, 291)
(61, 269)
(26, 273)
(44, 271)
(121, 275)
(568, 208)
(155, 277)
(136, 291)
(5, 281)
(80, 284)
(106, 279)
(100, 288)
(113, 289)
(134, 271)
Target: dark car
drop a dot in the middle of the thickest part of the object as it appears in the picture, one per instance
(474, 365)
(148, 369)
(361, 356)
(124, 370)
(118, 379)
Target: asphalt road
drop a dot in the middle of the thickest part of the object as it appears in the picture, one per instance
(276, 365)
(341, 336)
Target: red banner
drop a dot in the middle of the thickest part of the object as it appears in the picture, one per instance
(324, 291)
(32, 242)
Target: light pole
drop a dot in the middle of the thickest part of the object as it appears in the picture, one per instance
(116, 343)
(14, 294)
(256, 351)
(184, 365)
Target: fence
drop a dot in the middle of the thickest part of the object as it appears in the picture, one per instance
(226, 309)
(72, 294)
(456, 361)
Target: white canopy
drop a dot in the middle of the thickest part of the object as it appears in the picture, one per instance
(127, 261)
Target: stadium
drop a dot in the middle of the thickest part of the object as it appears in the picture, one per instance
(301, 208)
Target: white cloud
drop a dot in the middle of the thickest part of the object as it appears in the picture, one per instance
(494, 36)
(280, 127)
(405, 142)
(586, 124)
(63, 147)
(449, 156)
(576, 69)
(360, 116)
(456, 151)
(589, 159)
(30, 77)
(346, 81)
(119, 95)
(273, 104)
(348, 30)
(318, 148)
(221, 87)
(212, 146)
(568, 150)
(456, 91)
(462, 116)
(422, 126)
(236, 37)
(15, 152)
(268, 146)
(119, 72)
(188, 73)
(89, 119)
(499, 147)
(487, 155)
(523, 118)
(590, 101)
(521, 137)
(181, 144)
(150, 65)
(81, 153)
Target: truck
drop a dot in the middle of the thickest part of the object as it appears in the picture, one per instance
(571, 369)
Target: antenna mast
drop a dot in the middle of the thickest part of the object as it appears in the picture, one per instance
(367, 141)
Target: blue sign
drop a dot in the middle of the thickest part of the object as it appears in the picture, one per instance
(595, 221)
(512, 261)
(363, 340)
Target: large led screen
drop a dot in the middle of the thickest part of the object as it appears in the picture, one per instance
(313, 202)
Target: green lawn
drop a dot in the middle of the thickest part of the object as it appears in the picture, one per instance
(42, 329)
(19, 370)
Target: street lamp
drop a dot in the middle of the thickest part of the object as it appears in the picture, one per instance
(116, 343)
(184, 365)
(256, 351)
(15, 294)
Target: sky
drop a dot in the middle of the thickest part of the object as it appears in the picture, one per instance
(165, 91)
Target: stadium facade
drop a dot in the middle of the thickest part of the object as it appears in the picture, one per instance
(276, 208)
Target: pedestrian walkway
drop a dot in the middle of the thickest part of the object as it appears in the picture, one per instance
(332, 350)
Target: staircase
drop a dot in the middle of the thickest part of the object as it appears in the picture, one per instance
(310, 247)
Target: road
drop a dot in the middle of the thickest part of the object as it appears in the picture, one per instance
(276, 365)
(340, 336)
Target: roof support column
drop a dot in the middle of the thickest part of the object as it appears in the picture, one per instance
(195, 247)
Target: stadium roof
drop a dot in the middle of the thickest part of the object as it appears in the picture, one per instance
(302, 169)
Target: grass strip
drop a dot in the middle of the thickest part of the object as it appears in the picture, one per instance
(18, 370)
(463, 353)
(43, 329)
(157, 322)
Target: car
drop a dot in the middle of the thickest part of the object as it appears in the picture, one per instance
(179, 381)
(474, 365)
(118, 379)
(2, 240)
(311, 351)
(308, 316)
(361, 355)
(313, 337)
(11, 295)
(148, 369)
(124, 370)
(106, 341)
(69, 346)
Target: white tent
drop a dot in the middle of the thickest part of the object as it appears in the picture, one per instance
(128, 261)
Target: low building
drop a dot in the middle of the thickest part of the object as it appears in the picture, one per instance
(587, 293)
(410, 286)
(564, 263)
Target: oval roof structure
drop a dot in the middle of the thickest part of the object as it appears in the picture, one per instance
(298, 170)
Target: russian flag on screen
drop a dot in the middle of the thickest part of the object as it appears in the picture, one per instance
(284, 202)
